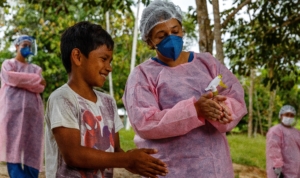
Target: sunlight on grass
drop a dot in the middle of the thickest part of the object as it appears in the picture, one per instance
(248, 151)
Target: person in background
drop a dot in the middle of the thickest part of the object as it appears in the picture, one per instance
(21, 112)
(283, 146)
(82, 123)
(170, 107)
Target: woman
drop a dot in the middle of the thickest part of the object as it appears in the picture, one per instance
(168, 106)
(283, 146)
(22, 112)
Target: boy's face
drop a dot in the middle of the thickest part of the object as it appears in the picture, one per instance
(97, 66)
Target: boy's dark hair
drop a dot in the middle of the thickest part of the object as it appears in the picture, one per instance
(86, 37)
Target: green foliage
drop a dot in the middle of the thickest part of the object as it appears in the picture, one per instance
(267, 41)
(248, 151)
(3, 3)
(189, 25)
(261, 98)
(46, 21)
(5, 54)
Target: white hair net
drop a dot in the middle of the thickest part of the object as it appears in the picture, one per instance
(23, 38)
(157, 12)
(287, 108)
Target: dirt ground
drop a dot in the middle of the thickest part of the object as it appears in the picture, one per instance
(240, 172)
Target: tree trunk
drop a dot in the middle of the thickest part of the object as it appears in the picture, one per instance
(271, 106)
(111, 88)
(206, 36)
(250, 114)
(255, 128)
(205, 32)
(258, 114)
(217, 31)
(272, 97)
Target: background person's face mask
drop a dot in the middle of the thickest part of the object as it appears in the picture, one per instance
(171, 46)
(288, 121)
(25, 52)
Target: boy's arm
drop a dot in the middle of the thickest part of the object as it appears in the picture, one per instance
(75, 155)
(117, 143)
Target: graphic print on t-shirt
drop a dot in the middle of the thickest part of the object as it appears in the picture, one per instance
(96, 136)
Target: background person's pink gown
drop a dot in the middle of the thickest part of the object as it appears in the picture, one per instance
(21, 114)
(283, 150)
(160, 104)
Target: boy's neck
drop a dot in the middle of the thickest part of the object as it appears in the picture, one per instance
(84, 91)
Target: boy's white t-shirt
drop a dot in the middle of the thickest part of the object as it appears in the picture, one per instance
(97, 122)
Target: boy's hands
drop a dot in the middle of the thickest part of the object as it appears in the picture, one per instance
(144, 164)
(214, 108)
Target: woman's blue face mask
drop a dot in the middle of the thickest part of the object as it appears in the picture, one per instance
(171, 46)
(25, 52)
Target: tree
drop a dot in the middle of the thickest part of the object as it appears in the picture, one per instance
(267, 41)
(250, 110)
(208, 33)
(46, 20)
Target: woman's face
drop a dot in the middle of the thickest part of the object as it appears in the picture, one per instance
(288, 114)
(288, 119)
(162, 30)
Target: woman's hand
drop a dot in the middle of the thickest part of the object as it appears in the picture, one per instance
(214, 108)
(227, 118)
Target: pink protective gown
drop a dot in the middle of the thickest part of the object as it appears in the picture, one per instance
(21, 118)
(160, 104)
(283, 150)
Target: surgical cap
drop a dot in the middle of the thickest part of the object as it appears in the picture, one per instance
(158, 12)
(287, 108)
(23, 38)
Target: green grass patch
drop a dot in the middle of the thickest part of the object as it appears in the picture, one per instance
(248, 151)
(126, 139)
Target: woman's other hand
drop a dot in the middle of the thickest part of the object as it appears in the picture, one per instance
(213, 108)
(227, 118)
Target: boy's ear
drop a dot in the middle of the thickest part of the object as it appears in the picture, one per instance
(76, 56)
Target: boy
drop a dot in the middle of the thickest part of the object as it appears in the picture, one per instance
(21, 112)
(82, 124)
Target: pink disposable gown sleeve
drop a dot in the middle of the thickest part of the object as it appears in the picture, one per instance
(273, 149)
(28, 81)
(234, 93)
(148, 120)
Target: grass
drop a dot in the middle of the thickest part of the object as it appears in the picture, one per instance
(244, 150)
(126, 139)
(248, 151)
